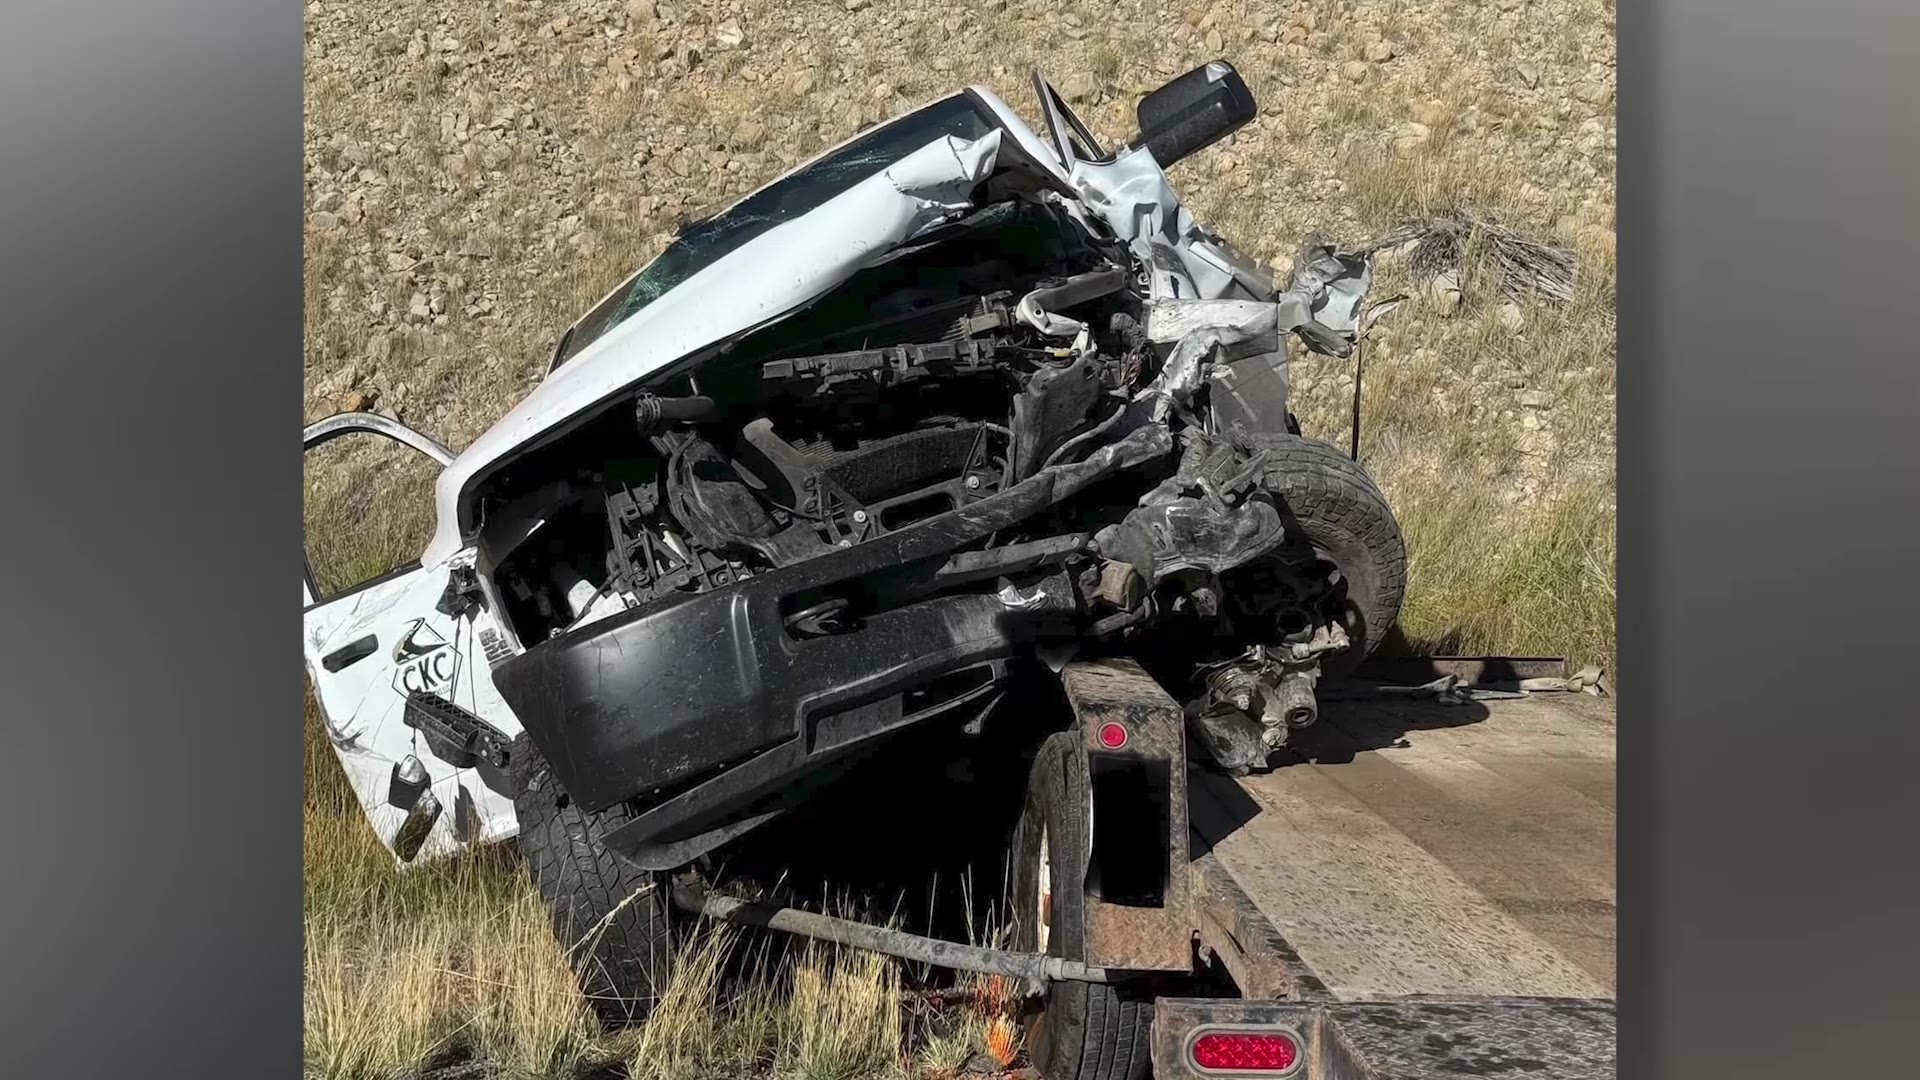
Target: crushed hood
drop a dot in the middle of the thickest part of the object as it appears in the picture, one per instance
(771, 276)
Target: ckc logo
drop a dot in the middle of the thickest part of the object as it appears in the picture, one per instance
(424, 662)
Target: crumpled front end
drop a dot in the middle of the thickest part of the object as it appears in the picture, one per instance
(976, 410)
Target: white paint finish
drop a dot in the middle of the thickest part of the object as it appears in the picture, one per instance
(765, 279)
(362, 704)
(339, 424)
(1031, 144)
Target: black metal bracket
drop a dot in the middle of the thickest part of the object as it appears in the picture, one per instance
(455, 735)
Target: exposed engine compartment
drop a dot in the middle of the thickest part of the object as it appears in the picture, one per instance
(997, 384)
(826, 431)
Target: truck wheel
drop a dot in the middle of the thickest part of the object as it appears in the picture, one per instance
(1346, 518)
(609, 915)
(1083, 1031)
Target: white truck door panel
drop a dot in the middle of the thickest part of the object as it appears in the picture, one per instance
(370, 646)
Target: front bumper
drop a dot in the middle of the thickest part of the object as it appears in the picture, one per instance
(713, 699)
(648, 701)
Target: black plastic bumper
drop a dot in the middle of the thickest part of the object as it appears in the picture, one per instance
(661, 694)
(638, 704)
(711, 701)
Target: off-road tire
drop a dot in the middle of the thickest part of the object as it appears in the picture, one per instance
(1082, 1031)
(1337, 506)
(622, 954)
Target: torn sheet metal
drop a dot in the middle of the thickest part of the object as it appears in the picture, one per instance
(1322, 301)
(1205, 334)
(940, 176)
(1131, 196)
(1255, 323)
(1322, 304)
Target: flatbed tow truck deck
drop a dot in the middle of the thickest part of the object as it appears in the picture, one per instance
(1431, 895)
(1425, 891)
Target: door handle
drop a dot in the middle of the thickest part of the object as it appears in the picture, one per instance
(351, 652)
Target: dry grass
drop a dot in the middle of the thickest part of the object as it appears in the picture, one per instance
(368, 508)
(457, 962)
(822, 1014)
(1493, 437)
(450, 959)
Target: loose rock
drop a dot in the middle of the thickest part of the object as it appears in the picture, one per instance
(1511, 318)
(1080, 86)
(1432, 113)
(533, 133)
(1444, 291)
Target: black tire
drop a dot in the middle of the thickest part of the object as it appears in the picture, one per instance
(622, 954)
(1336, 505)
(1083, 1031)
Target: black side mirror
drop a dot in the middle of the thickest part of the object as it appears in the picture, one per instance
(1193, 112)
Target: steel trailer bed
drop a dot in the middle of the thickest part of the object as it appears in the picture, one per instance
(1426, 892)
(1430, 895)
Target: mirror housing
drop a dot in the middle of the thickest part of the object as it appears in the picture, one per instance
(1193, 112)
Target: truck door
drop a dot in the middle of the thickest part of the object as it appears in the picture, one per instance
(400, 670)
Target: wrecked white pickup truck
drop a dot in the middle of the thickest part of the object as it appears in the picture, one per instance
(950, 399)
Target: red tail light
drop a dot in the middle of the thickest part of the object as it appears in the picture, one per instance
(1112, 735)
(1246, 1052)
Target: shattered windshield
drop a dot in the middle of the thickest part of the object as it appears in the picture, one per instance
(805, 189)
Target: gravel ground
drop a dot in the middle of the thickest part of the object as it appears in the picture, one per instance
(478, 173)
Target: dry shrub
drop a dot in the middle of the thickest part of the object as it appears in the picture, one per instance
(844, 1016)
(821, 1013)
(679, 1037)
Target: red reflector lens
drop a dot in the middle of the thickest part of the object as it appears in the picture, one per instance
(1112, 735)
(1272, 1052)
